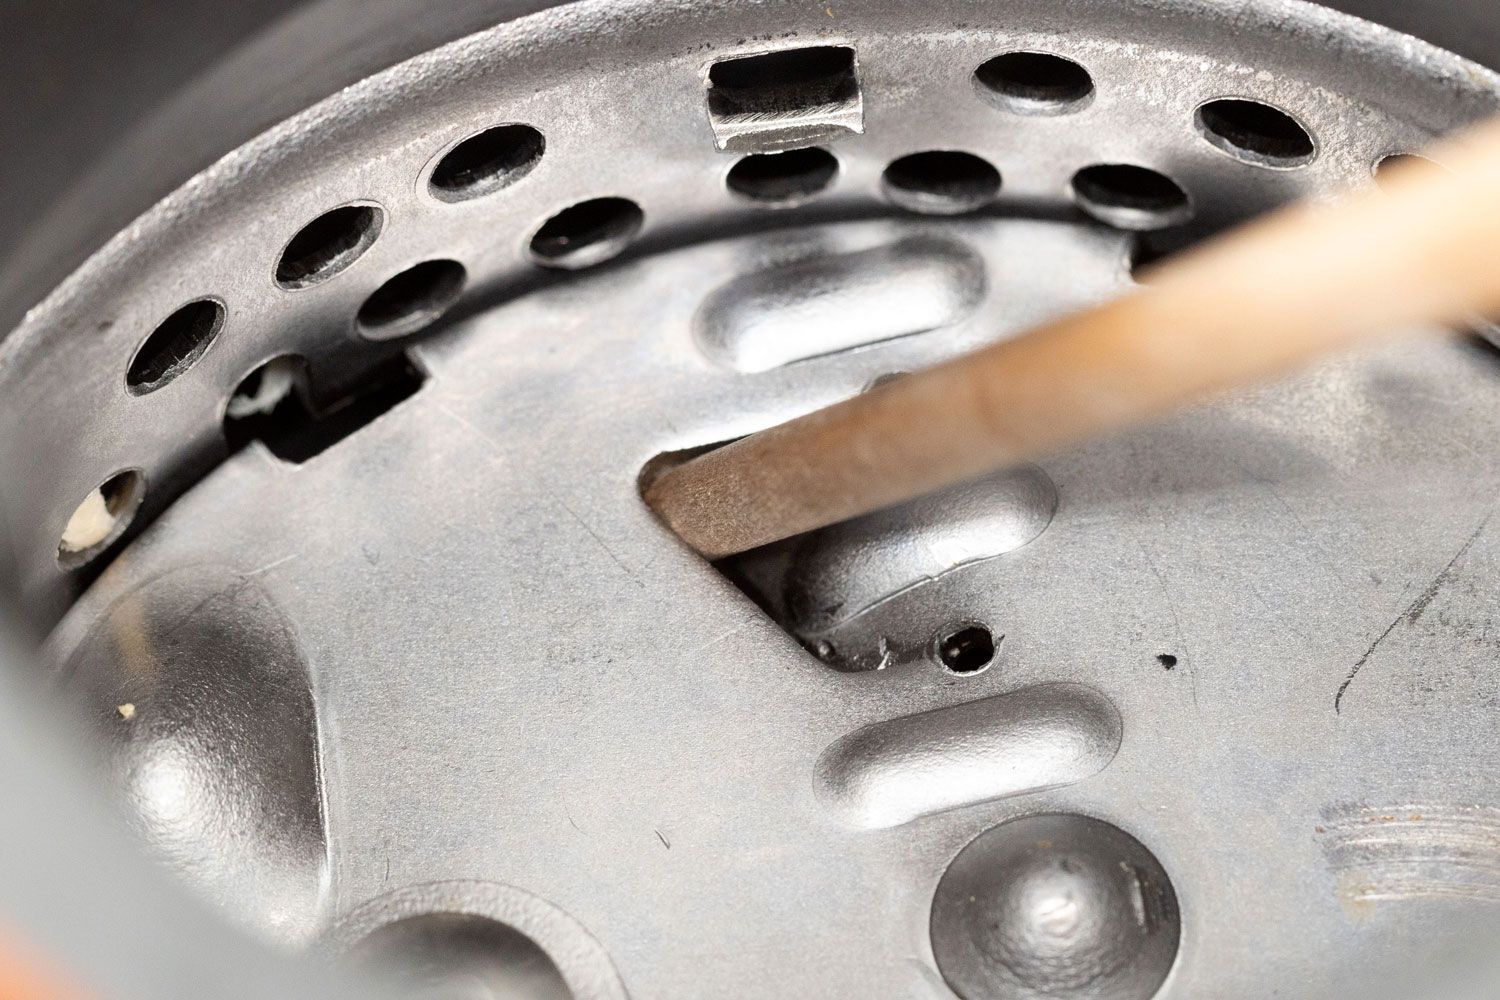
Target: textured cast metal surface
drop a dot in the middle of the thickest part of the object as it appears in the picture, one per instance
(446, 689)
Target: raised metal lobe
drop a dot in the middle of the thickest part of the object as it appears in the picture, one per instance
(893, 772)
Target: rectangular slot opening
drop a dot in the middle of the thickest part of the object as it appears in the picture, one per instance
(276, 406)
(760, 573)
(906, 583)
(783, 99)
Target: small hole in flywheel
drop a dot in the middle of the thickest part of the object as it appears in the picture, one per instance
(587, 233)
(327, 245)
(1255, 132)
(174, 346)
(966, 649)
(941, 182)
(1167, 660)
(101, 518)
(782, 178)
(1391, 169)
(1035, 83)
(783, 82)
(486, 162)
(411, 300)
(260, 393)
(1130, 197)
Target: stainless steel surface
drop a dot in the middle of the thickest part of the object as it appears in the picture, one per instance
(437, 682)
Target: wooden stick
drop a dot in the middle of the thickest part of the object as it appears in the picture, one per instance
(1313, 279)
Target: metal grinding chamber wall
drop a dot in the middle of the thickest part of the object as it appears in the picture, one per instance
(479, 683)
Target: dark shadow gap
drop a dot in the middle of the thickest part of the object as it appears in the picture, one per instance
(294, 425)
